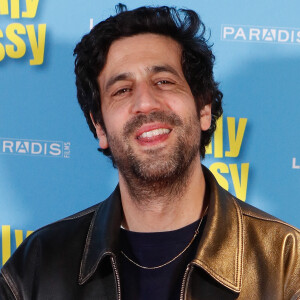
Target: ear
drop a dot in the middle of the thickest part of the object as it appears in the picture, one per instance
(205, 117)
(103, 143)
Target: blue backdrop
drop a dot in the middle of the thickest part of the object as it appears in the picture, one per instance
(49, 165)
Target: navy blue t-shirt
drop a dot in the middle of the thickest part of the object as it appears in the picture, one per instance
(153, 249)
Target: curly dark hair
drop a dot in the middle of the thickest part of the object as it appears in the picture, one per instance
(182, 25)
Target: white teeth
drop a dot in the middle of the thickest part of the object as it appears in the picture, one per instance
(154, 132)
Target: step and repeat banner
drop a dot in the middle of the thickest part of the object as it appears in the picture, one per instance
(49, 163)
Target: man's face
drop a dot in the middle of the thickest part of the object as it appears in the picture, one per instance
(152, 127)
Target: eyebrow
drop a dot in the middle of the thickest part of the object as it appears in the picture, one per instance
(163, 68)
(116, 78)
(129, 75)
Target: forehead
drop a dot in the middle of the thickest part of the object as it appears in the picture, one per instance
(139, 52)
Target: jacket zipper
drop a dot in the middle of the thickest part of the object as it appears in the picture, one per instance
(185, 280)
(117, 277)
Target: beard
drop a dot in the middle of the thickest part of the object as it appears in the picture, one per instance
(160, 172)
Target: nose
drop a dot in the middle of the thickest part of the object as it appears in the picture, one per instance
(145, 99)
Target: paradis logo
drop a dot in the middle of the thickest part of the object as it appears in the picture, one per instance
(260, 34)
(12, 146)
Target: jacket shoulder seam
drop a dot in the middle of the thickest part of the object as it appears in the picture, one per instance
(271, 220)
(10, 283)
(93, 209)
(81, 214)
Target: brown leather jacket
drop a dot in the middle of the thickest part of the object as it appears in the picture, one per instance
(244, 253)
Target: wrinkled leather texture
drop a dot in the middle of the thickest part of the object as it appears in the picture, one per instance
(244, 253)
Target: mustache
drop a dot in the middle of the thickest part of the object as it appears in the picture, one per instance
(136, 122)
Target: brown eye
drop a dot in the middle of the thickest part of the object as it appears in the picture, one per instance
(161, 82)
(122, 91)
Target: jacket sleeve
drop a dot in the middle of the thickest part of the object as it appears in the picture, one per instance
(5, 291)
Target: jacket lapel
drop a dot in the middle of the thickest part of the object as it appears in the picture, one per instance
(220, 252)
(103, 235)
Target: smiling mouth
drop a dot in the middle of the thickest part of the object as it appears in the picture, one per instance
(153, 137)
(154, 133)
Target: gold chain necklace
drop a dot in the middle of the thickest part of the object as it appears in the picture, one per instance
(174, 258)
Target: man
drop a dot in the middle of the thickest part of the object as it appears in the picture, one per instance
(169, 231)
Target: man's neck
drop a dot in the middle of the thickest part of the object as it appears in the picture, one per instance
(160, 213)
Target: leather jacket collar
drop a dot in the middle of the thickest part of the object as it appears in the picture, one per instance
(220, 252)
